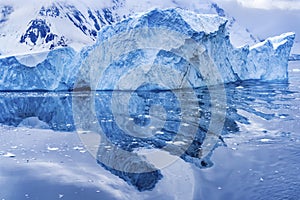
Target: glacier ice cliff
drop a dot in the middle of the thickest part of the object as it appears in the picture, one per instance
(151, 39)
(52, 71)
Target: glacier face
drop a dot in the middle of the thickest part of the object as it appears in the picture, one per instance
(50, 72)
(151, 45)
(268, 60)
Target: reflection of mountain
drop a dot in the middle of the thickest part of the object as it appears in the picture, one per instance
(244, 100)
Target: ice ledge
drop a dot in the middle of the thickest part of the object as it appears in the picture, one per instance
(61, 69)
(276, 41)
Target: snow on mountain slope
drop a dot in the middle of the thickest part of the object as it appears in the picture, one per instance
(41, 25)
(45, 25)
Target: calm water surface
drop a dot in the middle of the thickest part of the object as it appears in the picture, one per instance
(256, 157)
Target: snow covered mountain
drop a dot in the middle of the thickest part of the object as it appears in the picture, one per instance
(45, 25)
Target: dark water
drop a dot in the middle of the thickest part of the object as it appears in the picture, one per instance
(253, 154)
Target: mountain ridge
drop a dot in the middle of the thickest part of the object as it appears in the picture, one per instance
(43, 26)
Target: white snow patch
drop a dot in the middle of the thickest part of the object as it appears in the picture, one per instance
(9, 155)
(32, 60)
(275, 41)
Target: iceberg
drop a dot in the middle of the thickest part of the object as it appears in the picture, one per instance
(268, 60)
(196, 46)
(154, 44)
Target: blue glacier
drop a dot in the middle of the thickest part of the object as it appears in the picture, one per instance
(152, 38)
(52, 71)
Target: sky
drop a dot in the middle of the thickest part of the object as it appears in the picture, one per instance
(267, 4)
(266, 18)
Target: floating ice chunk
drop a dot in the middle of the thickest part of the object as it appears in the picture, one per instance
(265, 140)
(9, 155)
(52, 148)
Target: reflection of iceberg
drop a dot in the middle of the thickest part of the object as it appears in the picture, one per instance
(31, 109)
(266, 61)
(34, 122)
(112, 159)
(249, 97)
